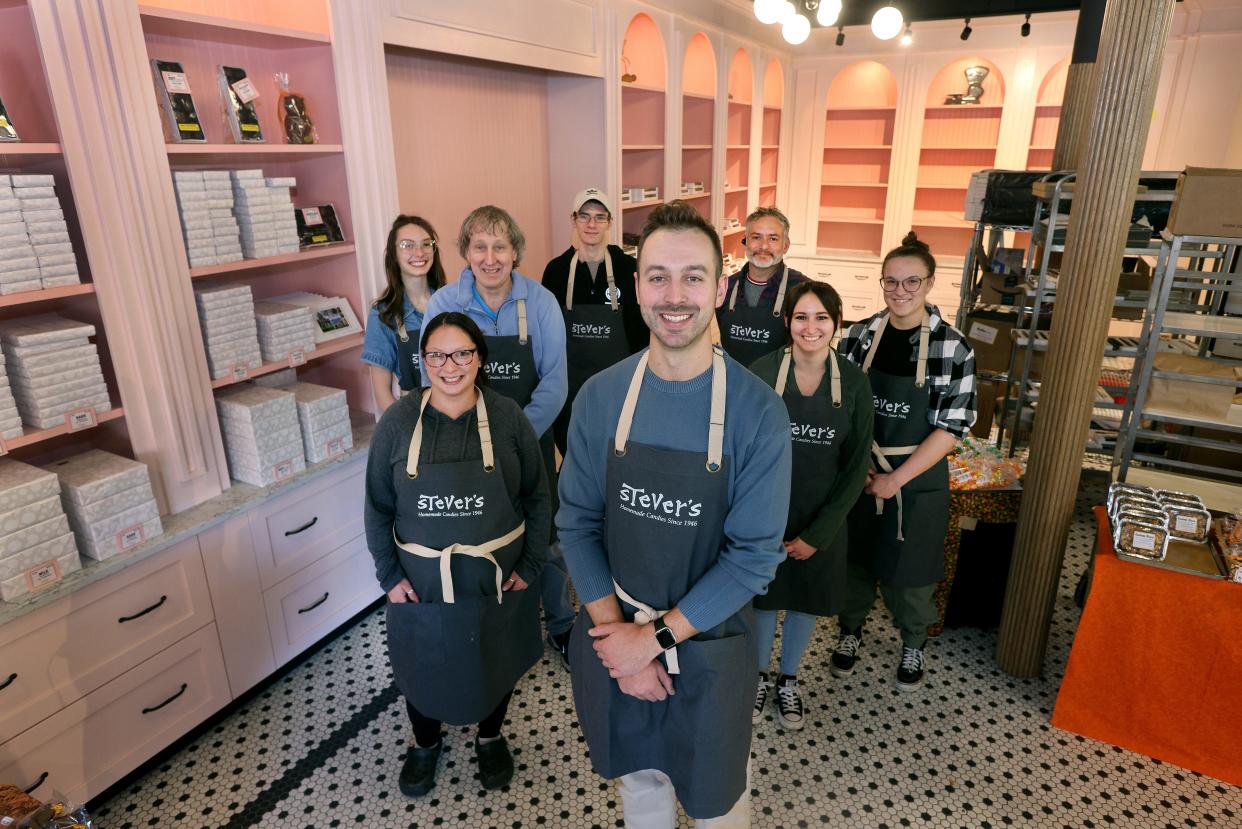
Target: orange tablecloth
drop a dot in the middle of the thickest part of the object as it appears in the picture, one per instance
(1156, 665)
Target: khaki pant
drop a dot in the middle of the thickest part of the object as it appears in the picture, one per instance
(649, 802)
(913, 608)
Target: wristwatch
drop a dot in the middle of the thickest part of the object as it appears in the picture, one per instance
(664, 634)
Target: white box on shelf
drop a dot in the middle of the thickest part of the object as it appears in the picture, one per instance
(28, 537)
(94, 475)
(22, 484)
(40, 566)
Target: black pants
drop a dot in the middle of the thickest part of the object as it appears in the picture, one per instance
(427, 730)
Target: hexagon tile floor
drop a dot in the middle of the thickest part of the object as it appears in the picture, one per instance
(321, 746)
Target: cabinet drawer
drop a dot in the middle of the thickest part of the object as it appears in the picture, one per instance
(301, 609)
(97, 740)
(859, 306)
(59, 653)
(294, 530)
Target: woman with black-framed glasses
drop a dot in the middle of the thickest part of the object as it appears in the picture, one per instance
(457, 516)
(922, 374)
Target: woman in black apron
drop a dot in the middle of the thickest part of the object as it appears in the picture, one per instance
(413, 269)
(457, 512)
(830, 423)
(922, 381)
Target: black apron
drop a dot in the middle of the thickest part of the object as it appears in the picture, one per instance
(901, 540)
(409, 375)
(511, 371)
(748, 333)
(819, 426)
(665, 516)
(594, 338)
(465, 644)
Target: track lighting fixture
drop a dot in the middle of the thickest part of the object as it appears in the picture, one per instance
(1026, 27)
(840, 35)
(908, 37)
(966, 30)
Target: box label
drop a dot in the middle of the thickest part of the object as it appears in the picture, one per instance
(129, 537)
(245, 90)
(983, 333)
(311, 216)
(1184, 524)
(336, 446)
(176, 82)
(297, 358)
(42, 575)
(80, 419)
(283, 470)
(239, 372)
(1144, 541)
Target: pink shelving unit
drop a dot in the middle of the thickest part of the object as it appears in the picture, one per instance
(1047, 118)
(858, 149)
(642, 117)
(957, 141)
(769, 149)
(738, 147)
(698, 114)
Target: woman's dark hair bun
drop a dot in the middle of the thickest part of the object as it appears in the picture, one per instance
(912, 239)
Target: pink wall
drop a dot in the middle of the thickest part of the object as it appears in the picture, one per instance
(468, 133)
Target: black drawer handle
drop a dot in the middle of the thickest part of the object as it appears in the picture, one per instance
(155, 606)
(165, 702)
(36, 784)
(8, 681)
(322, 599)
(303, 528)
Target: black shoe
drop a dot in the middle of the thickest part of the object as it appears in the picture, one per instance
(418, 772)
(495, 763)
(761, 698)
(789, 703)
(910, 671)
(559, 642)
(846, 652)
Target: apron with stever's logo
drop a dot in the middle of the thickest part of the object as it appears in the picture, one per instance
(819, 426)
(409, 376)
(901, 540)
(594, 340)
(465, 644)
(746, 333)
(665, 512)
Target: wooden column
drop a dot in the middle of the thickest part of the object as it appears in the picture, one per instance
(1078, 105)
(1132, 46)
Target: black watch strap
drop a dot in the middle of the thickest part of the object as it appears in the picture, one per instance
(664, 634)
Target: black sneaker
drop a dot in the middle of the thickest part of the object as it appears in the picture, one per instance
(910, 671)
(789, 702)
(761, 698)
(846, 652)
(418, 772)
(559, 642)
(495, 763)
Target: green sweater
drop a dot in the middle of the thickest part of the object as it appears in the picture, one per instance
(855, 453)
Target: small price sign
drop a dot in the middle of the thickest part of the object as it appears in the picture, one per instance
(297, 358)
(80, 419)
(245, 90)
(239, 372)
(129, 538)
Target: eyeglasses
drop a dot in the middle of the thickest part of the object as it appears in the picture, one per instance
(435, 359)
(592, 218)
(410, 244)
(910, 283)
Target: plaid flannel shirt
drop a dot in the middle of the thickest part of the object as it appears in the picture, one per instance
(950, 368)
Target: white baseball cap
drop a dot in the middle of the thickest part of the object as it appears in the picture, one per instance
(591, 194)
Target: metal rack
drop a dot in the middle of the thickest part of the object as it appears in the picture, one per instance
(1205, 324)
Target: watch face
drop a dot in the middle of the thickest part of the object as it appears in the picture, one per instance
(665, 636)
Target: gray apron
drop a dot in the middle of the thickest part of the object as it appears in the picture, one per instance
(819, 426)
(409, 376)
(511, 371)
(594, 339)
(465, 644)
(901, 540)
(665, 516)
(746, 333)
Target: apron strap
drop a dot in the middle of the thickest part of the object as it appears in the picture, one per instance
(834, 382)
(715, 423)
(402, 332)
(485, 436)
(573, 271)
(920, 366)
(646, 613)
(483, 551)
(880, 454)
(521, 311)
(780, 291)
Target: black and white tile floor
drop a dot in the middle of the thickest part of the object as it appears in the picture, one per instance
(322, 746)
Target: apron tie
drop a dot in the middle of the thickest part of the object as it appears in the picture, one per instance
(483, 551)
(780, 292)
(646, 613)
(715, 426)
(881, 453)
(521, 311)
(573, 271)
(782, 376)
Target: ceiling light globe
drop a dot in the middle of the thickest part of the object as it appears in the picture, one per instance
(887, 23)
(796, 30)
(768, 11)
(829, 11)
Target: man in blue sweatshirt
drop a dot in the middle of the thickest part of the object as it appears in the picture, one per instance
(526, 358)
(674, 492)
